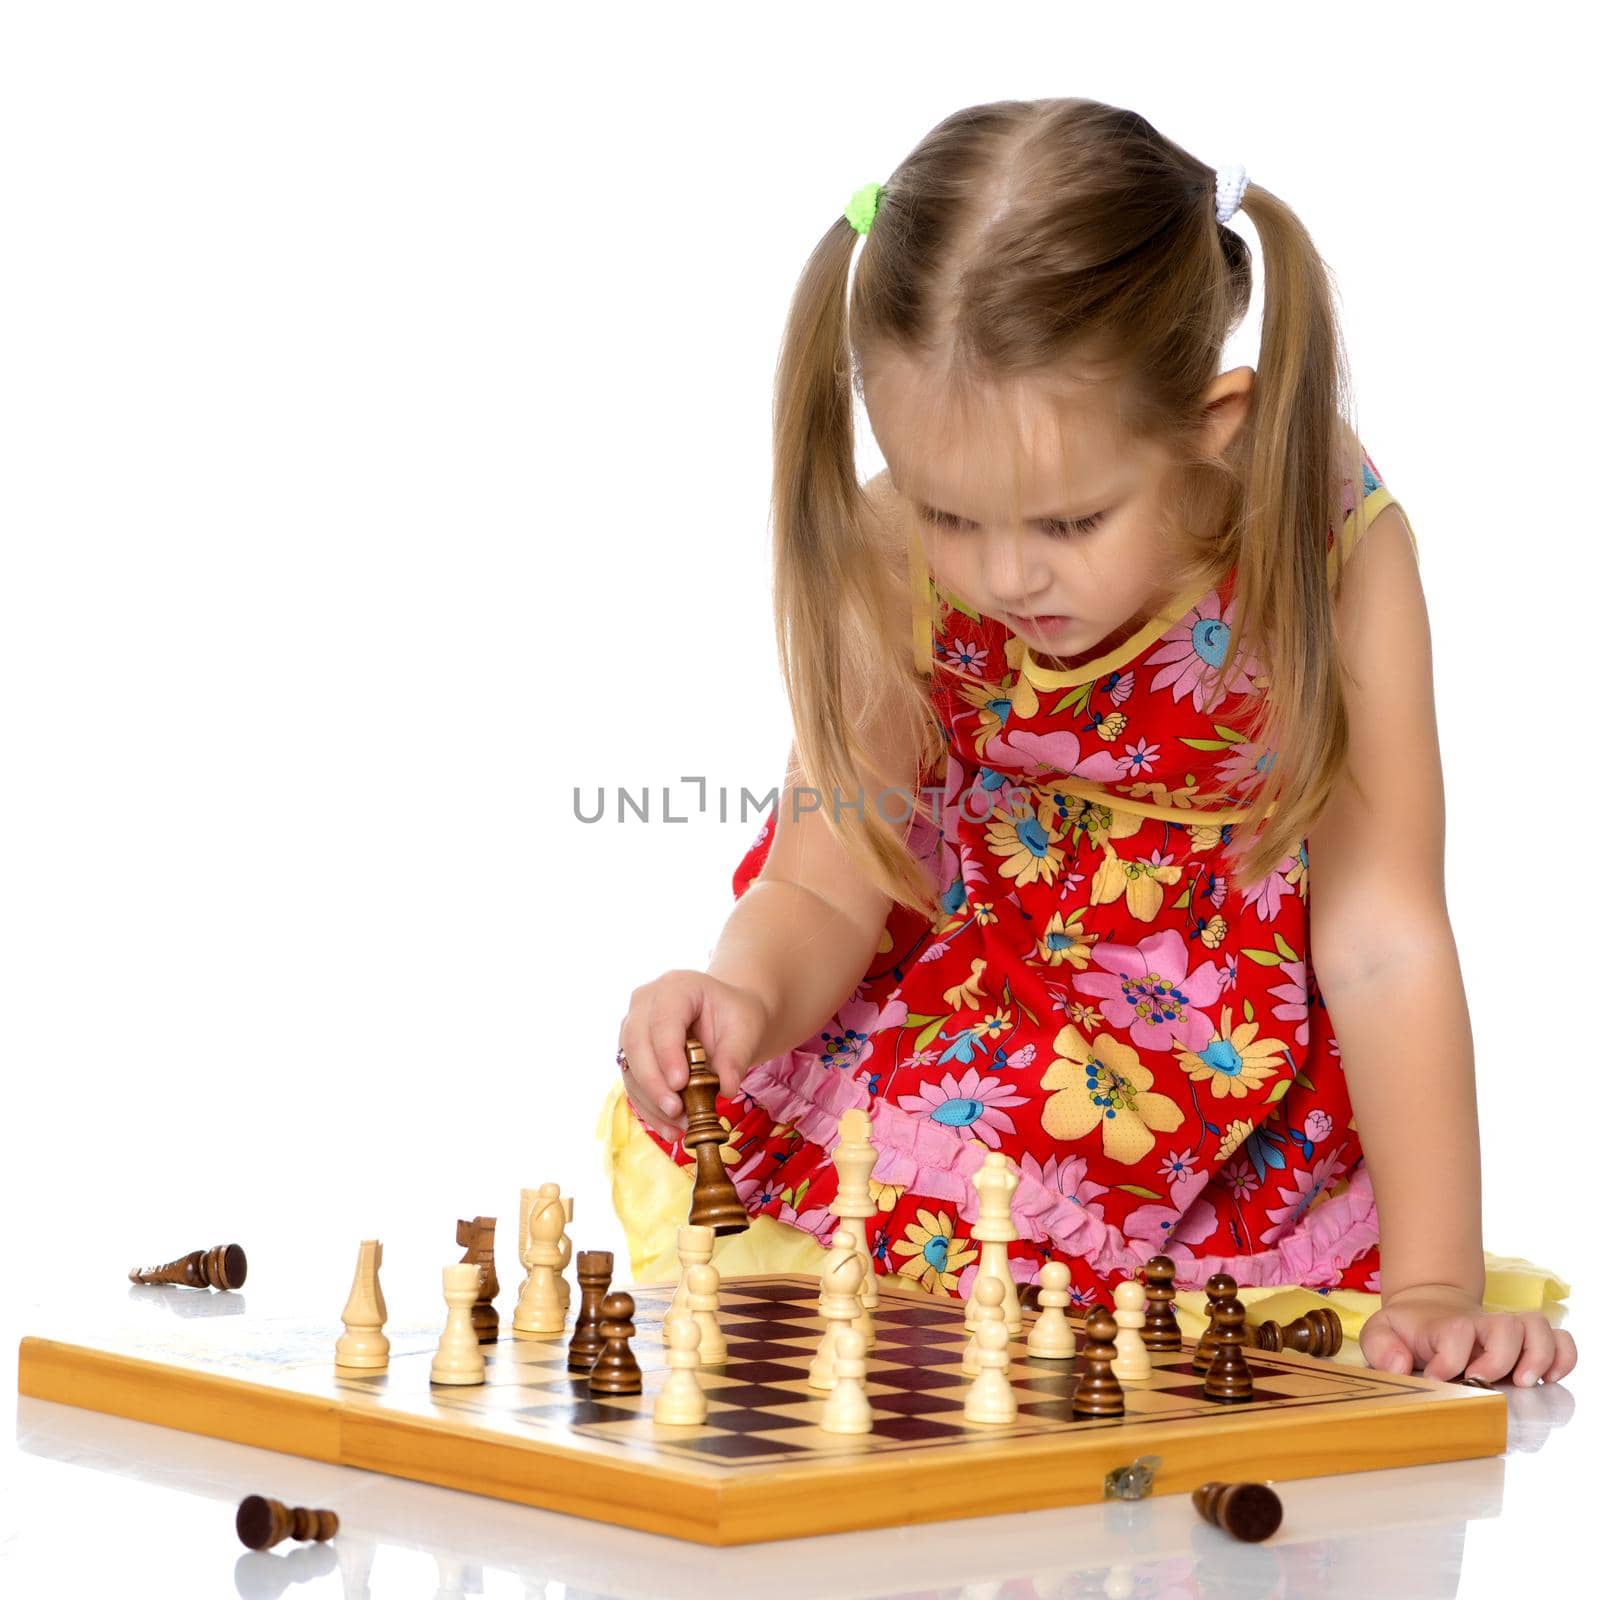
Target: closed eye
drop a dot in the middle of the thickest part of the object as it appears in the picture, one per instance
(1055, 526)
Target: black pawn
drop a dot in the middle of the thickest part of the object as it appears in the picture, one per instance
(594, 1279)
(1097, 1392)
(1161, 1331)
(615, 1370)
(1228, 1377)
(1219, 1287)
(1249, 1511)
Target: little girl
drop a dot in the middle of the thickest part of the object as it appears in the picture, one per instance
(1115, 660)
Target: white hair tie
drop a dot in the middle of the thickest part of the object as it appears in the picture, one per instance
(1231, 184)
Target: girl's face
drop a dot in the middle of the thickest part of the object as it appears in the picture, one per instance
(1041, 513)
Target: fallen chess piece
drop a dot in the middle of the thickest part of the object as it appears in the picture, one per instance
(1249, 1511)
(1318, 1333)
(221, 1267)
(262, 1523)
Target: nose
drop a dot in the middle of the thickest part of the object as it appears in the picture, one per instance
(1012, 574)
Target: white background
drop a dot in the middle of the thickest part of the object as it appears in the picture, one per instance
(384, 431)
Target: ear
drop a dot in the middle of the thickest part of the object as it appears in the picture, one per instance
(1227, 403)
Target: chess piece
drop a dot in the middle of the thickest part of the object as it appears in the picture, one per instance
(1161, 1330)
(1051, 1338)
(1133, 1360)
(1098, 1394)
(262, 1523)
(846, 1409)
(841, 1305)
(695, 1242)
(1219, 1286)
(539, 1302)
(477, 1239)
(615, 1370)
(1249, 1511)
(681, 1402)
(988, 1302)
(854, 1158)
(1318, 1333)
(716, 1202)
(996, 1182)
(989, 1395)
(1228, 1377)
(458, 1359)
(363, 1344)
(594, 1282)
(564, 1244)
(223, 1266)
(704, 1282)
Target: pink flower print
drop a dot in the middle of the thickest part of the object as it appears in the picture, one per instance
(1068, 1177)
(1297, 1200)
(972, 1102)
(1190, 653)
(1174, 1229)
(1244, 767)
(1175, 1164)
(1140, 759)
(1239, 1178)
(847, 1041)
(812, 1220)
(1118, 686)
(1060, 753)
(1318, 1126)
(1295, 996)
(1230, 971)
(1149, 990)
(965, 655)
(1267, 895)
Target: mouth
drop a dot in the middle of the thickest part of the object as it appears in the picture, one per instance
(1040, 626)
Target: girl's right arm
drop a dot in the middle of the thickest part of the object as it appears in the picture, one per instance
(794, 947)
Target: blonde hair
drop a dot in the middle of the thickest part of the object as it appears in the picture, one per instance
(1017, 238)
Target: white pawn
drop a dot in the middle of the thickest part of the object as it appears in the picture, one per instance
(458, 1359)
(682, 1402)
(363, 1344)
(1132, 1364)
(694, 1250)
(841, 1305)
(846, 1409)
(989, 1396)
(1051, 1336)
(988, 1300)
(704, 1281)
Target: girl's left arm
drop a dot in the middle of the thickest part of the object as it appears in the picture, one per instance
(1384, 955)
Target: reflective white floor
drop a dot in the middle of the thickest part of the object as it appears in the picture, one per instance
(95, 1505)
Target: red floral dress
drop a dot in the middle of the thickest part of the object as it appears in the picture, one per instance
(1098, 999)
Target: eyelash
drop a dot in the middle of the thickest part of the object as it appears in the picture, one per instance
(1058, 529)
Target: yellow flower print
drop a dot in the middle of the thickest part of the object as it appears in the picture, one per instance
(1109, 726)
(1028, 846)
(965, 996)
(1138, 880)
(983, 912)
(1101, 822)
(998, 706)
(885, 1196)
(1105, 1085)
(1086, 1016)
(992, 1026)
(730, 1152)
(1204, 836)
(1214, 932)
(1064, 941)
(1235, 1061)
(1180, 798)
(1238, 1132)
(934, 1255)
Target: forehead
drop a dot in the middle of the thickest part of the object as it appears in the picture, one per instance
(996, 447)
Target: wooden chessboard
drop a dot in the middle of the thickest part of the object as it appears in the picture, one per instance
(760, 1467)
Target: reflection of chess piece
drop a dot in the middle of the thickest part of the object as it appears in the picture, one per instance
(715, 1202)
(363, 1344)
(539, 1304)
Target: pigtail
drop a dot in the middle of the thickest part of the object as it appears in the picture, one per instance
(832, 606)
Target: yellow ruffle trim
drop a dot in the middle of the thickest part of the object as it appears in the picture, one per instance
(650, 1193)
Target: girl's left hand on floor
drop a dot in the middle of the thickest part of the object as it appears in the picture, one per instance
(1448, 1334)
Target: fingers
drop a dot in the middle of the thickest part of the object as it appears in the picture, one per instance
(1501, 1339)
(1453, 1341)
(1384, 1349)
(643, 1082)
(1538, 1349)
(1566, 1357)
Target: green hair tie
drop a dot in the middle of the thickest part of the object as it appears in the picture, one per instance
(863, 207)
